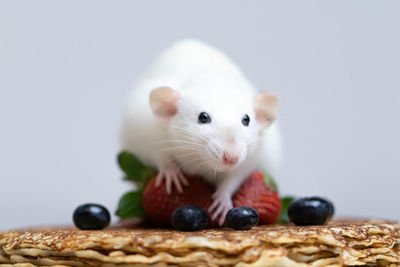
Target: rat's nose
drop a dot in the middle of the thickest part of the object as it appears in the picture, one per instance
(229, 159)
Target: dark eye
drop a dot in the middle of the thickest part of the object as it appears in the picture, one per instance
(246, 120)
(204, 118)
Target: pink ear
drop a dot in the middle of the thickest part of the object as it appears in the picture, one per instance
(266, 108)
(163, 102)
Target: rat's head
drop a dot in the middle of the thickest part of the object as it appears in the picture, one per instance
(213, 133)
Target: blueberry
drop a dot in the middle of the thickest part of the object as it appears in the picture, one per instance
(310, 211)
(91, 217)
(189, 218)
(241, 218)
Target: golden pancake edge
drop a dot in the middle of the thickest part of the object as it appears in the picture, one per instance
(339, 243)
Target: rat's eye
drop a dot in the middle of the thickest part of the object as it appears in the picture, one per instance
(246, 120)
(204, 118)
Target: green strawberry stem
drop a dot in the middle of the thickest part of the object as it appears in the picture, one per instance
(270, 182)
(134, 170)
(130, 204)
(284, 218)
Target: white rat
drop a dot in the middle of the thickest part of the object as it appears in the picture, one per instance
(194, 112)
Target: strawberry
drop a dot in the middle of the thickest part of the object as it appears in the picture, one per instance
(258, 191)
(256, 194)
(159, 206)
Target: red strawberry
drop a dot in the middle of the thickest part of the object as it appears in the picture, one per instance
(159, 205)
(255, 193)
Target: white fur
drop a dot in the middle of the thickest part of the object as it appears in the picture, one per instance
(206, 81)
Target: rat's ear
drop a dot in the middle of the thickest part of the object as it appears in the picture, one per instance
(266, 108)
(163, 102)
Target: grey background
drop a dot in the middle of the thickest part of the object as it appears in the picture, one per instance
(67, 66)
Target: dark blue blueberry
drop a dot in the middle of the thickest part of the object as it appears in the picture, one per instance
(241, 218)
(91, 217)
(189, 218)
(310, 211)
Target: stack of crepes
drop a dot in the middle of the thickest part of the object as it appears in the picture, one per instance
(339, 243)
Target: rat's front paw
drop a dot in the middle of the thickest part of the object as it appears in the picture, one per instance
(222, 203)
(171, 175)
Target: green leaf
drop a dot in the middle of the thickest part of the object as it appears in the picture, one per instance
(130, 206)
(270, 182)
(135, 170)
(284, 218)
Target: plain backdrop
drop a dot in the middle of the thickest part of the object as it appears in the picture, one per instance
(66, 68)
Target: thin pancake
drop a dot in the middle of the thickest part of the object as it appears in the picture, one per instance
(340, 243)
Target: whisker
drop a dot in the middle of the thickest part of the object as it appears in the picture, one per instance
(208, 171)
(182, 147)
(188, 132)
(182, 155)
(201, 165)
(216, 168)
(190, 136)
(174, 140)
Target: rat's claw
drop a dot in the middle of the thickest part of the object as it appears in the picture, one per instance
(217, 211)
(172, 177)
(222, 218)
(220, 206)
(177, 183)
(159, 179)
(168, 183)
(213, 206)
(183, 179)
